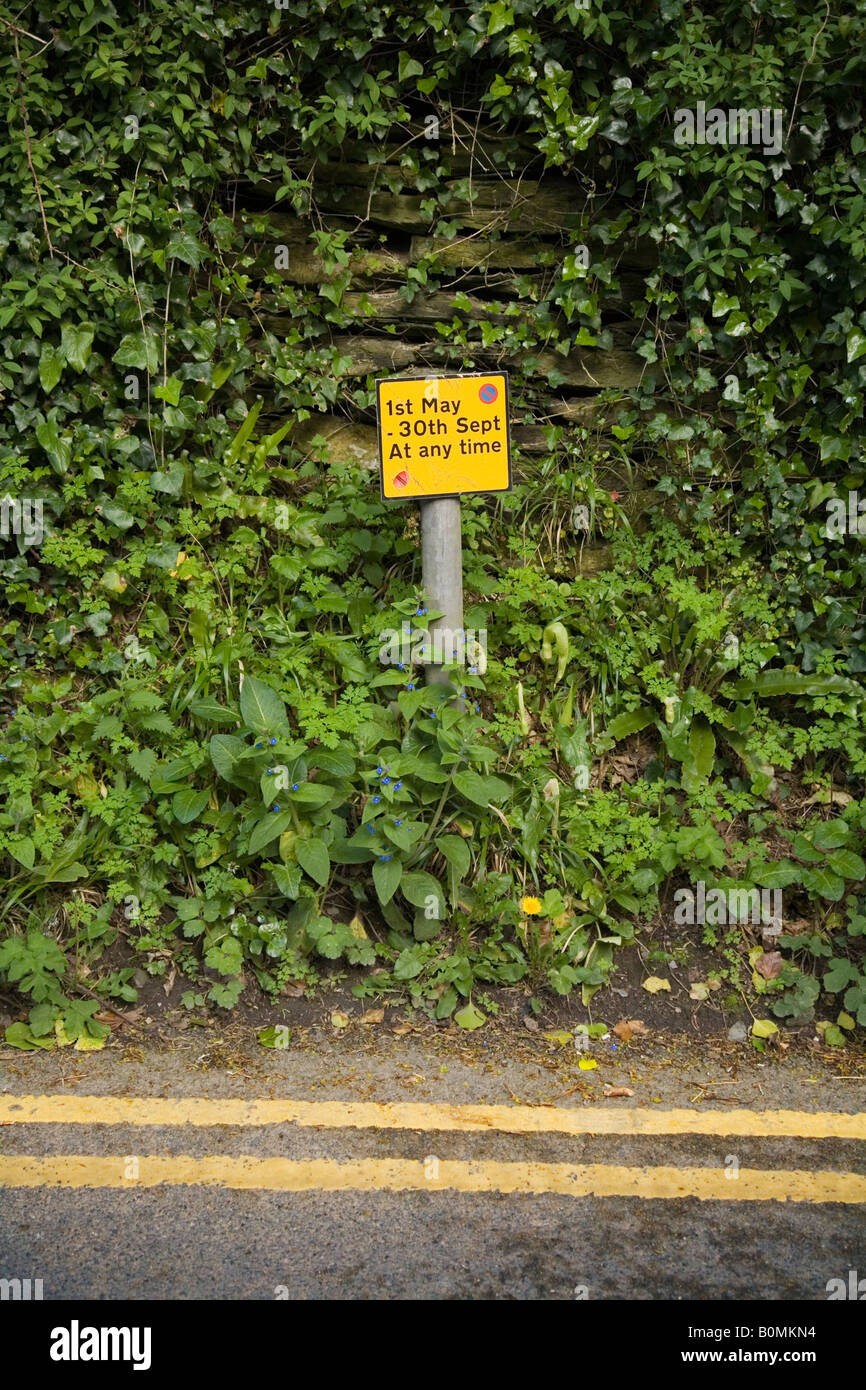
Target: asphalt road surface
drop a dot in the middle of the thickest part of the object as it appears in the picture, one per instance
(369, 1166)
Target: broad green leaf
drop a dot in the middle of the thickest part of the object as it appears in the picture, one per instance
(226, 752)
(312, 855)
(386, 877)
(335, 762)
(702, 744)
(262, 709)
(456, 851)
(419, 888)
(24, 851)
(268, 828)
(470, 1016)
(847, 863)
(19, 1035)
(831, 834)
(764, 1028)
(630, 722)
(188, 805)
(212, 712)
(840, 974)
(287, 877)
(232, 453)
(770, 684)
(480, 790)
(823, 882)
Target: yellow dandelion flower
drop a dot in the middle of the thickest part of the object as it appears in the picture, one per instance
(531, 906)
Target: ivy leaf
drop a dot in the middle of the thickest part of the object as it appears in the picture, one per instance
(185, 248)
(50, 367)
(140, 350)
(408, 67)
(855, 344)
(75, 345)
(58, 447)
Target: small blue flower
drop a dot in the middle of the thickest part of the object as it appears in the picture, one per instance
(276, 807)
(477, 709)
(270, 772)
(411, 685)
(294, 786)
(2, 757)
(473, 670)
(273, 741)
(385, 781)
(398, 822)
(418, 612)
(24, 738)
(401, 666)
(397, 786)
(380, 770)
(258, 745)
(433, 715)
(376, 800)
(370, 830)
(443, 697)
(384, 858)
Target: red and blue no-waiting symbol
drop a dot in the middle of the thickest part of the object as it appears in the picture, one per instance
(488, 393)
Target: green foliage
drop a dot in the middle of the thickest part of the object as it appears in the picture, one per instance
(209, 598)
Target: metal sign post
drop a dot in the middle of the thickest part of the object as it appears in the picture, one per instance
(442, 574)
(440, 437)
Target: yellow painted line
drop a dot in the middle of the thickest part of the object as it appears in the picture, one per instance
(429, 1175)
(335, 1114)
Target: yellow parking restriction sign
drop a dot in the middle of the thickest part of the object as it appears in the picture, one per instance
(441, 436)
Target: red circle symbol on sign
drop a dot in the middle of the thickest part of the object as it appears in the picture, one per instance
(488, 393)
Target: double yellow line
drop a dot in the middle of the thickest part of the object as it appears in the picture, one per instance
(431, 1173)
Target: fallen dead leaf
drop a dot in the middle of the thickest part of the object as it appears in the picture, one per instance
(611, 1091)
(769, 964)
(699, 990)
(653, 984)
(294, 989)
(628, 1027)
(530, 1023)
(559, 1036)
(339, 1019)
(587, 1063)
(372, 1016)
